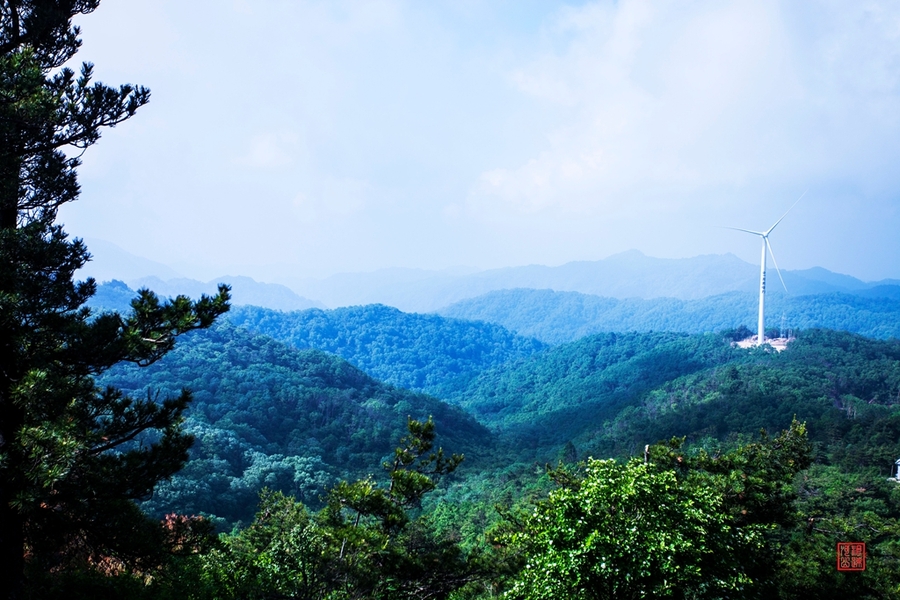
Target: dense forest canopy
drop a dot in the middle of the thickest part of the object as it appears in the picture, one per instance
(603, 396)
(268, 415)
(426, 353)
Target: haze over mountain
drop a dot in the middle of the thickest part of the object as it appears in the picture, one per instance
(629, 274)
(244, 291)
(109, 262)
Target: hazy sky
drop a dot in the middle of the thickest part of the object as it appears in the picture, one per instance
(316, 137)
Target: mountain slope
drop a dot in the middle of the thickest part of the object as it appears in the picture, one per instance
(426, 353)
(109, 261)
(117, 295)
(611, 394)
(244, 291)
(844, 386)
(559, 394)
(265, 414)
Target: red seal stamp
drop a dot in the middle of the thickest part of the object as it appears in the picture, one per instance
(851, 556)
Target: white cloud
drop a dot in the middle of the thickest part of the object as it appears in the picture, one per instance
(331, 198)
(492, 133)
(688, 97)
(268, 151)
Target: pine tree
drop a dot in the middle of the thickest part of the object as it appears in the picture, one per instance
(73, 457)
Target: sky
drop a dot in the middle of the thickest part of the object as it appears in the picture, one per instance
(304, 138)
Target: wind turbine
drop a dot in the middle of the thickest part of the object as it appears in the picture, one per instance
(760, 326)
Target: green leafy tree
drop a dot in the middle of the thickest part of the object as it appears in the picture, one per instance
(366, 543)
(629, 531)
(281, 554)
(73, 457)
(756, 478)
(675, 526)
(843, 507)
(377, 551)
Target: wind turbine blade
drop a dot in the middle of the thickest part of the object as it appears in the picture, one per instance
(745, 230)
(786, 214)
(777, 270)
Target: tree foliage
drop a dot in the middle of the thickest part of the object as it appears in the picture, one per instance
(424, 353)
(73, 456)
(366, 543)
(267, 415)
(568, 390)
(627, 531)
(671, 528)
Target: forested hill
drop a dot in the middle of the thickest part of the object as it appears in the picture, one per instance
(844, 386)
(557, 317)
(610, 394)
(265, 414)
(568, 390)
(426, 353)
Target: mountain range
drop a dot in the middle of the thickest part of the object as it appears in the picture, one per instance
(558, 317)
(626, 275)
(629, 274)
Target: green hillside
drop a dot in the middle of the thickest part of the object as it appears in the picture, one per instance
(558, 317)
(844, 386)
(613, 393)
(556, 395)
(425, 353)
(265, 414)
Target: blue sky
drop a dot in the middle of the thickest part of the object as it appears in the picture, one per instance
(307, 138)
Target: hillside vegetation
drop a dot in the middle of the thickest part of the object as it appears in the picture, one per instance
(267, 415)
(425, 353)
(558, 394)
(302, 421)
(844, 386)
(310, 425)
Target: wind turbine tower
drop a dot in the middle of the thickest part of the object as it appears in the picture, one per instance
(760, 324)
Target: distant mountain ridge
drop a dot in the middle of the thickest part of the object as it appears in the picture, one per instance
(629, 274)
(559, 317)
(110, 263)
(117, 295)
(244, 291)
